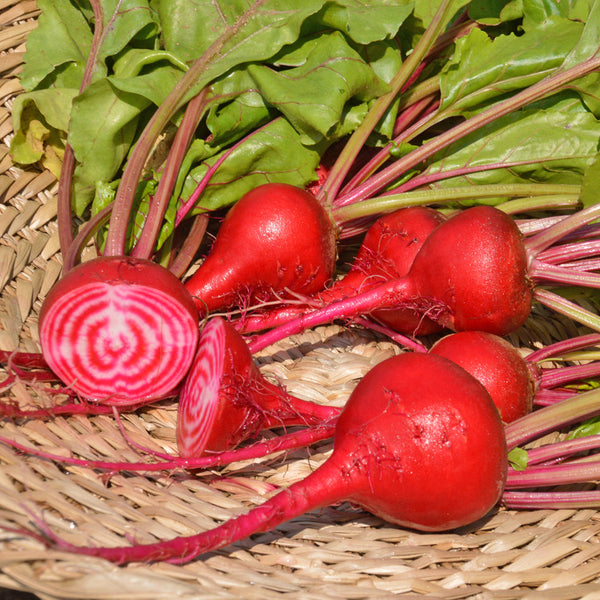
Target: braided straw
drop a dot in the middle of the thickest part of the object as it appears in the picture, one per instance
(338, 552)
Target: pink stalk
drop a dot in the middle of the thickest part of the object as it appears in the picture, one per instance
(416, 112)
(11, 410)
(561, 347)
(194, 110)
(559, 451)
(562, 228)
(529, 227)
(547, 273)
(559, 253)
(551, 475)
(548, 378)
(402, 340)
(550, 418)
(86, 232)
(29, 375)
(26, 360)
(539, 500)
(281, 443)
(64, 211)
(546, 397)
(186, 251)
(556, 377)
(585, 264)
(566, 307)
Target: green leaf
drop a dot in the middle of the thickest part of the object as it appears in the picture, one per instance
(518, 459)
(138, 61)
(189, 28)
(538, 11)
(579, 10)
(58, 48)
(61, 42)
(40, 121)
(552, 141)
(102, 128)
(587, 47)
(590, 427)
(483, 69)
(332, 76)
(273, 153)
(239, 107)
(366, 21)
(385, 60)
(591, 183)
(149, 74)
(101, 144)
(126, 24)
(426, 9)
(494, 12)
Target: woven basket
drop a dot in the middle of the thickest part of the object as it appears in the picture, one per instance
(338, 552)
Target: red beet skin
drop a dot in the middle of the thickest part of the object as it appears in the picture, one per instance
(387, 252)
(419, 443)
(471, 274)
(277, 237)
(390, 247)
(225, 398)
(505, 374)
(119, 330)
(424, 444)
(476, 265)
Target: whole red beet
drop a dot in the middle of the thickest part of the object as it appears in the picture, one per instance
(276, 238)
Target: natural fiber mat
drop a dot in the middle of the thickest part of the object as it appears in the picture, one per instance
(338, 552)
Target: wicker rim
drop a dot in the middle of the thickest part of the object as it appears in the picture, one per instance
(333, 553)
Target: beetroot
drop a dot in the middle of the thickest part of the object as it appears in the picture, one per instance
(387, 252)
(474, 268)
(517, 382)
(419, 443)
(510, 380)
(470, 274)
(225, 399)
(277, 238)
(119, 330)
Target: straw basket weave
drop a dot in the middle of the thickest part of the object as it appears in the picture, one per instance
(338, 552)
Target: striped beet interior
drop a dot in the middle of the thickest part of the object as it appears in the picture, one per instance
(117, 342)
(199, 398)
